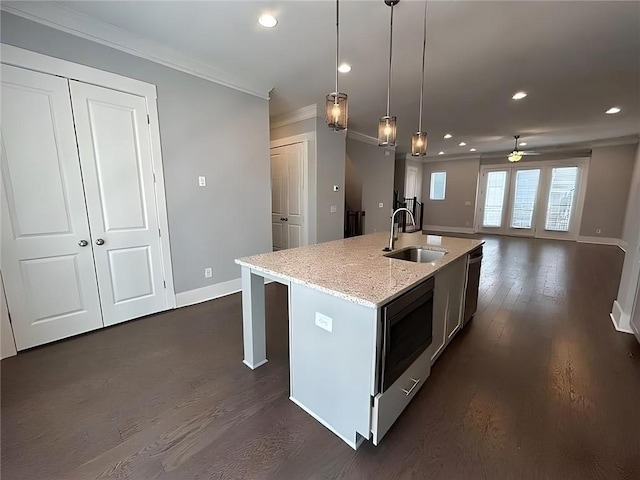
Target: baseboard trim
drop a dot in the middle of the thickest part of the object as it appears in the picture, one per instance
(210, 292)
(621, 320)
(437, 228)
(600, 241)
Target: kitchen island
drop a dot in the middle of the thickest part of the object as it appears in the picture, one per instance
(364, 329)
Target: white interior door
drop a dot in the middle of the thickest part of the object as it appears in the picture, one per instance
(411, 183)
(49, 277)
(113, 141)
(287, 201)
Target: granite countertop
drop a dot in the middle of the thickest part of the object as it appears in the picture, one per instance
(356, 269)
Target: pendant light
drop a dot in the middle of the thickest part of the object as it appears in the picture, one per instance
(336, 106)
(419, 139)
(387, 124)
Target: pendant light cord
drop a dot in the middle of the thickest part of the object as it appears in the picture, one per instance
(390, 57)
(424, 50)
(337, 45)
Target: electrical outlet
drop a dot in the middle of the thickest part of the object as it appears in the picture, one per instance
(381, 205)
(336, 188)
(468, 203)
(202, 181)
(208, 272)
(598, 231)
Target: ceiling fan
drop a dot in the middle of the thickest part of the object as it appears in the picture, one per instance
(516, 155)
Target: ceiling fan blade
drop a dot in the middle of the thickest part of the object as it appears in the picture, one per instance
(529, 153)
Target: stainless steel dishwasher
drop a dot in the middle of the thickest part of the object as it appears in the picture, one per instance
(473, 283)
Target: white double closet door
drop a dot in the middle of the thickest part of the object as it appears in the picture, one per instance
(80, 239)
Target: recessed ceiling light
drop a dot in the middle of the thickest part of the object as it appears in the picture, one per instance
(523, 144)
(462, 144)
(613, 110)
(519, 95)
(472, 149)
(344, 68)
(447, 135)
(268, 21)
(440, 152)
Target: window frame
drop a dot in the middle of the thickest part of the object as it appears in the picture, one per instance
(432, 183)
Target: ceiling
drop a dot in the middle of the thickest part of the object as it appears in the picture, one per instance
(574, 59)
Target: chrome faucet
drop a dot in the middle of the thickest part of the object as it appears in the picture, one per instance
(393, 215)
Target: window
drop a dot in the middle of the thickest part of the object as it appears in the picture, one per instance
(438, 185)
(524, 198)
(561, 193)
(494, 199)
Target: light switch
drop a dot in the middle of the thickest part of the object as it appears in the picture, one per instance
(336, 188)
(333, 209)
(381, 205)
(324, 322)
(202, 181)
(386, 153)
(468, 203)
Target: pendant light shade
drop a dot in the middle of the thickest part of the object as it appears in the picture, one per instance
(336, 113)
(419, 144)
(387, 131)
(419, 139)
(387, 124)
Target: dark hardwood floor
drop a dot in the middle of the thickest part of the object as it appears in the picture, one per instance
(538, 386)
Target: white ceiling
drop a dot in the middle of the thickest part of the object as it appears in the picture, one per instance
(575, 59)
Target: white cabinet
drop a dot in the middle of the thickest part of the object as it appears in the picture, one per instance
(447, 305)
(80, 233)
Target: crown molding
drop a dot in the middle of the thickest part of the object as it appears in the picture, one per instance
(361, 137)
(447, 158)
(304, 113)
(81, 25)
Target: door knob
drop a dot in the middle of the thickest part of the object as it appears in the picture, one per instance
(83, 243)
(285, 219)
(99, 241)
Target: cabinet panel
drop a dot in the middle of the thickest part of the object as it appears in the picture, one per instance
(447, 305)
(456, 296)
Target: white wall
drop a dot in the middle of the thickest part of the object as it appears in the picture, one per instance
(373, 173)
(623, 305)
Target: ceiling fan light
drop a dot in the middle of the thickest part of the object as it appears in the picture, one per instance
(387, 132)
(514, 157)
(419, 144)
(337, 111)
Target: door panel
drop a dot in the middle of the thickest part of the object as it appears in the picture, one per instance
(114, 144)
(492, 201)
(50, 280)
(117, 164)
(278, 197)
(523, 201)
(561, 197)
(287, 196)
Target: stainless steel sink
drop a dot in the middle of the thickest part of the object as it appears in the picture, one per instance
(416, 254)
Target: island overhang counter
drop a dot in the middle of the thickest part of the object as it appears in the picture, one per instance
(344, 297)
